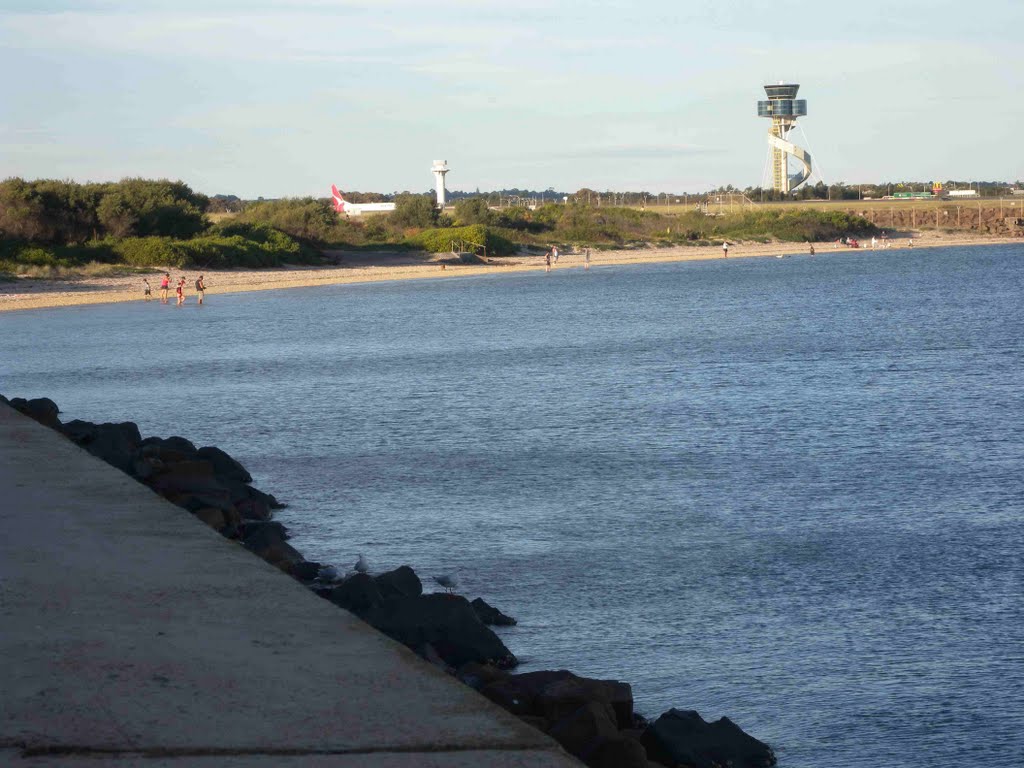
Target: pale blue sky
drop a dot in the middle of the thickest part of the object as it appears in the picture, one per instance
(274, 98)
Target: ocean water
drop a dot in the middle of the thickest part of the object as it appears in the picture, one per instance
(789, 491)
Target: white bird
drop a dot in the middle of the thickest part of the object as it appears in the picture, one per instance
(361, 565)
(327, 573)
(447, 580)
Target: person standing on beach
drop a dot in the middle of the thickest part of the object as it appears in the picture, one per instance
(547, 261)
(554, 252)
(586, 258)
(147, 293)
(165, 285)
(200, 289)
(725, 249)
(181, 291)
(812, 249)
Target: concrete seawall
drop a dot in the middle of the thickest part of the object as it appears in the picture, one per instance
(132, 632)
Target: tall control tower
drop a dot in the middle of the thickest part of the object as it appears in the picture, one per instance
(439, 169)
(784, 108)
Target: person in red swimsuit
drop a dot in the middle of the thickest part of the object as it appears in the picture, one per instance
(165, 285)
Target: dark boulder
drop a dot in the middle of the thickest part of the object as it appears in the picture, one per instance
(559, 697)
(187, 477)
(41, 409)
(224, 466)
(554, 693)
(401, 582)
(519, 693)
(447, 623)
(112, 443)
(619, 752)
(305, 571)
(584, 729)
(683, 737)
(267, 540)
(176, 443)
(477, 675)
(490, 615)
(358, 594)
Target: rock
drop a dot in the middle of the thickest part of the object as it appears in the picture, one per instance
(306, 571)
(185, 478)
(112, 443)
(618, 752)
(253, 509)
(477, 675)
(518, 693)
(583, 730)
(446, 622)
(224, 466)
(212, 517)
(77, 431)
(560, 697)
(491, 616)
(176, 443)
(267, 540)
(152, 448)
(43, 410)
(554, 694)
(535, 722)
(684, 737)
(401, 582)
(358, 594)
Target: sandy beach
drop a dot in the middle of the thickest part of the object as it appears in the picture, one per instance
(37, 293)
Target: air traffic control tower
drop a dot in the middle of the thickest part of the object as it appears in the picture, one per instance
(784, 108)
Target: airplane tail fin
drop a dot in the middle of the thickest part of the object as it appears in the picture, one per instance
(339, 201)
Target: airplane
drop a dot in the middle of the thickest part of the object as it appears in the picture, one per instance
(341, 205)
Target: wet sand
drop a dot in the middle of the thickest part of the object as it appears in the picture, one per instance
(37, 293)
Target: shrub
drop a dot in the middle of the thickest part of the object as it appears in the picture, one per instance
(440, 240)
(414, 211)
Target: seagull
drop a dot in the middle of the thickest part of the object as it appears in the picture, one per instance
(447, 580)
(361, 565)
(327, 573)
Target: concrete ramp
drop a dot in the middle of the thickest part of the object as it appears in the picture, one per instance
(131, 632)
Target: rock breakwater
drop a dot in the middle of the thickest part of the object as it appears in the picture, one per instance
(592, 719)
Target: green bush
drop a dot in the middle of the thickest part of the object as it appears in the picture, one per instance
(440, 240)
(309, 219)
(414, 211)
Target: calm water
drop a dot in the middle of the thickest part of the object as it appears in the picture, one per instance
(789, 491)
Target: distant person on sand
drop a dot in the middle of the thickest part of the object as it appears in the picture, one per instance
(147, 293)
(812, 249)
(547, 261)
(181, 291)
(586, 258)
(910, 243)
(165, 285)
(725, 249)
(200, 288)
(554, 252)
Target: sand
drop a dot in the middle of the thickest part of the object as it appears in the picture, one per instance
(37, 293)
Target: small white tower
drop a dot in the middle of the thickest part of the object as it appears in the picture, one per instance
(440, 168)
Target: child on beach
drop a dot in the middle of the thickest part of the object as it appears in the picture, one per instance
(181, 291)
(547, 261)
(725, 249)
(147, 293)
(165, 284)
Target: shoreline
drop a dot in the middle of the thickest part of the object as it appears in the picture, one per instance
(38, 293)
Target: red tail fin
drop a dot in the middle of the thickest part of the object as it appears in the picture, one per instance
(339, 201)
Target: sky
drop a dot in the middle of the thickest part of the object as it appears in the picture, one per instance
(281, 98)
